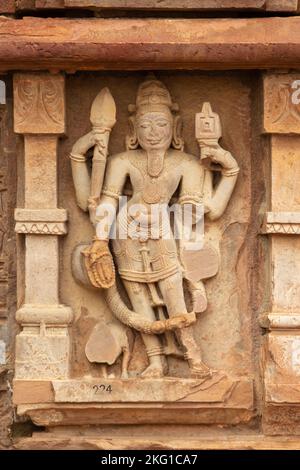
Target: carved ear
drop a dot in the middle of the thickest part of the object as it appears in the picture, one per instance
(177, 142)
(131, 140)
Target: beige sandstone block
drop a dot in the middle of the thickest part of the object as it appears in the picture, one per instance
(42, 353)
(40, 172)
(167, 4)
(41, 391)
(285, 259)
(285, 167)
(283, 357)
(220, 389)
(41, 269)
(284, 394)
(281, 112)
(39, 103)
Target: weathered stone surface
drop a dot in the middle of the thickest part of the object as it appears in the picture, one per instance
(282, 103)
(218, 389)
(285, 173)
(164, 5)
(246, 442)
(51, 314)
(228, 292)
(277, 320)
(39, 104)
(283, 359)
(281, 347)
(213, 392)
(40, 172)
(75, 414)
(281, 5)
(7, 6)
(8, 183)
(150, 43)
(270, 5)
(50, 4)
(285, 223)
(230, 337)
(42, 355)
(39, 390)
(281, 420)
(285, 274)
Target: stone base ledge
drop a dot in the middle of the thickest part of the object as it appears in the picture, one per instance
(169, 400)
(252, 442)
(220, 390)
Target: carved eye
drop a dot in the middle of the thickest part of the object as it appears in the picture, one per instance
(162, 123)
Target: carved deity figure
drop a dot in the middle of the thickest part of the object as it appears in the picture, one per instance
(154, 170)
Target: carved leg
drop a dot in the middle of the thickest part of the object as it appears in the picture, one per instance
(125, 362)
(140, 301)
(173, 296)
(103, 368)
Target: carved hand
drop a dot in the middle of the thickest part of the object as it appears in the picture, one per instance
(99, 264)
(89, 140)
(218, 155)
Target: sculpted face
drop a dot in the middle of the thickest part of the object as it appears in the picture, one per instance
(154, 130)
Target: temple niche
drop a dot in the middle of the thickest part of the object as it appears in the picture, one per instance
(149, 224)
(224, 329)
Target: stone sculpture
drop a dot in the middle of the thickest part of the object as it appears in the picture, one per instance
(151, 264)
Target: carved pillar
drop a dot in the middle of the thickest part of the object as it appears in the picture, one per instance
(42, 347)
(282, 224)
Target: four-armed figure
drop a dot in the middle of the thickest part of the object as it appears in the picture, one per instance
(156, 170)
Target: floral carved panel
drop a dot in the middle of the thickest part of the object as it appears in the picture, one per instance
(40, 107)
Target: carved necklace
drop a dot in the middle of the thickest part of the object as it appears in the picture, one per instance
(155, 163)
(154, 187)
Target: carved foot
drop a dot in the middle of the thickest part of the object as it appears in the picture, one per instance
(199, 370)
(153, 371)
